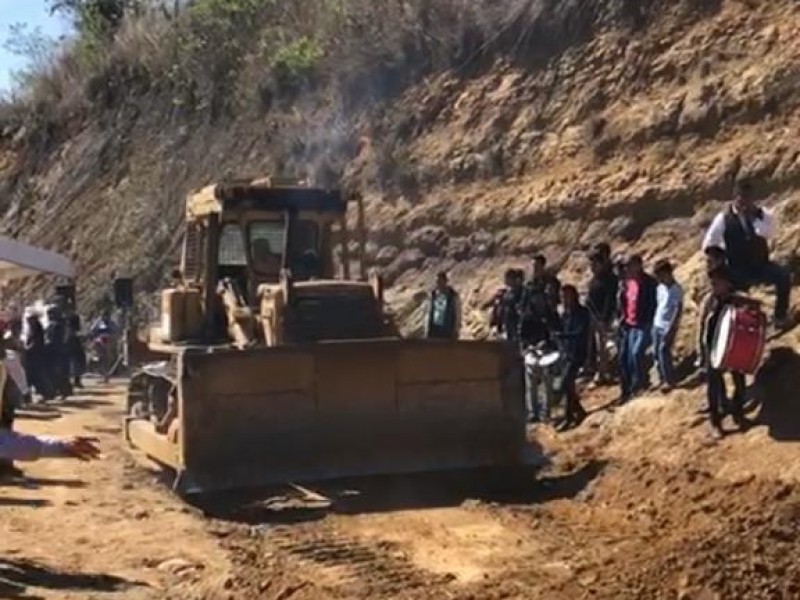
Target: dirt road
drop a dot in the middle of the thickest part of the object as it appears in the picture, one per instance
(99, 530)
(637, 504)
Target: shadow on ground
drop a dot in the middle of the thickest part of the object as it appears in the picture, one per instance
(33, 483)
(29, 502)
(776, 392)
(21, 578)
(393, 493)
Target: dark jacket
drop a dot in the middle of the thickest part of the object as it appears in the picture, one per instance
(506, 311)
(55, 338)
(602, 297)
(646, 305)
(746, 251)
(576, 327)
(538, 327)
(547, 284)
(35, 341)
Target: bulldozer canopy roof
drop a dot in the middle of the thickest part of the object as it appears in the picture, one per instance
(223, 197)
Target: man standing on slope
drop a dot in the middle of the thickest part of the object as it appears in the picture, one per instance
(637, 304)
(744, 230)
(444, 311)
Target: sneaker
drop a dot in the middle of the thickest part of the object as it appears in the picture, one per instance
(666, 388)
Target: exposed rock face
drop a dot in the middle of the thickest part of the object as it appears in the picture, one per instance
(630, 129)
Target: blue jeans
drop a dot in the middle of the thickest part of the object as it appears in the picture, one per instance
(539, 393)
(770, 274)
(662, 347)
(635, 341)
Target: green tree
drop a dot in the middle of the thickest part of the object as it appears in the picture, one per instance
(97, 18)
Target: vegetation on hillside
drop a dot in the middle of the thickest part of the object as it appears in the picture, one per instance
(214, 58)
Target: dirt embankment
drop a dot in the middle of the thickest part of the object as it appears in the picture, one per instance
(598, 120)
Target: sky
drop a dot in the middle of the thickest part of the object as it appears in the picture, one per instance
(34, 14)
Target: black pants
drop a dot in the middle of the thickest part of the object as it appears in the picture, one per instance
(574, 408)
(718, 402)
(38, 374)
(77, 363)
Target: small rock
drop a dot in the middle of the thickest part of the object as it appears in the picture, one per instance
(431, 240)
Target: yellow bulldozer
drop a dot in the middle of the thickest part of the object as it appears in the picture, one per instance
(282, 368)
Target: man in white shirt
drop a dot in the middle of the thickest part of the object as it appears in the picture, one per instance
(744, 230)
(669, 308)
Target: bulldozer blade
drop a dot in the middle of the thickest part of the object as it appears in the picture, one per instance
(330, 410)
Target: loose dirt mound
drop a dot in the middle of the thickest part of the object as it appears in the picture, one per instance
(640, 530)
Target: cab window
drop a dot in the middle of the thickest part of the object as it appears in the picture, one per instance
(231, 246)
(304, 257)
(267, 241)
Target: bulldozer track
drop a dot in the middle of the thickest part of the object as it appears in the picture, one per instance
(382, 567)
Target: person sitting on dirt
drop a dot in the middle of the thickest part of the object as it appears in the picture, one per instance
(543, 281)
(744, 230)
(506, 306)
(444, 311)
(723, 293)
(669, 308)
(26, 448)
(602, 304)
(637, 303)
(539, 324)
(9, 402)
(575, 335)
(15, 358)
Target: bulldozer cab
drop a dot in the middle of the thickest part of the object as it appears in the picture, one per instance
(249, 233)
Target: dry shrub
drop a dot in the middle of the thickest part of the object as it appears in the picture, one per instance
(219, 57)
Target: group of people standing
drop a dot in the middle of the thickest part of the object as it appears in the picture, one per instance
(43, 353)
(631, 311)
(52, 353)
